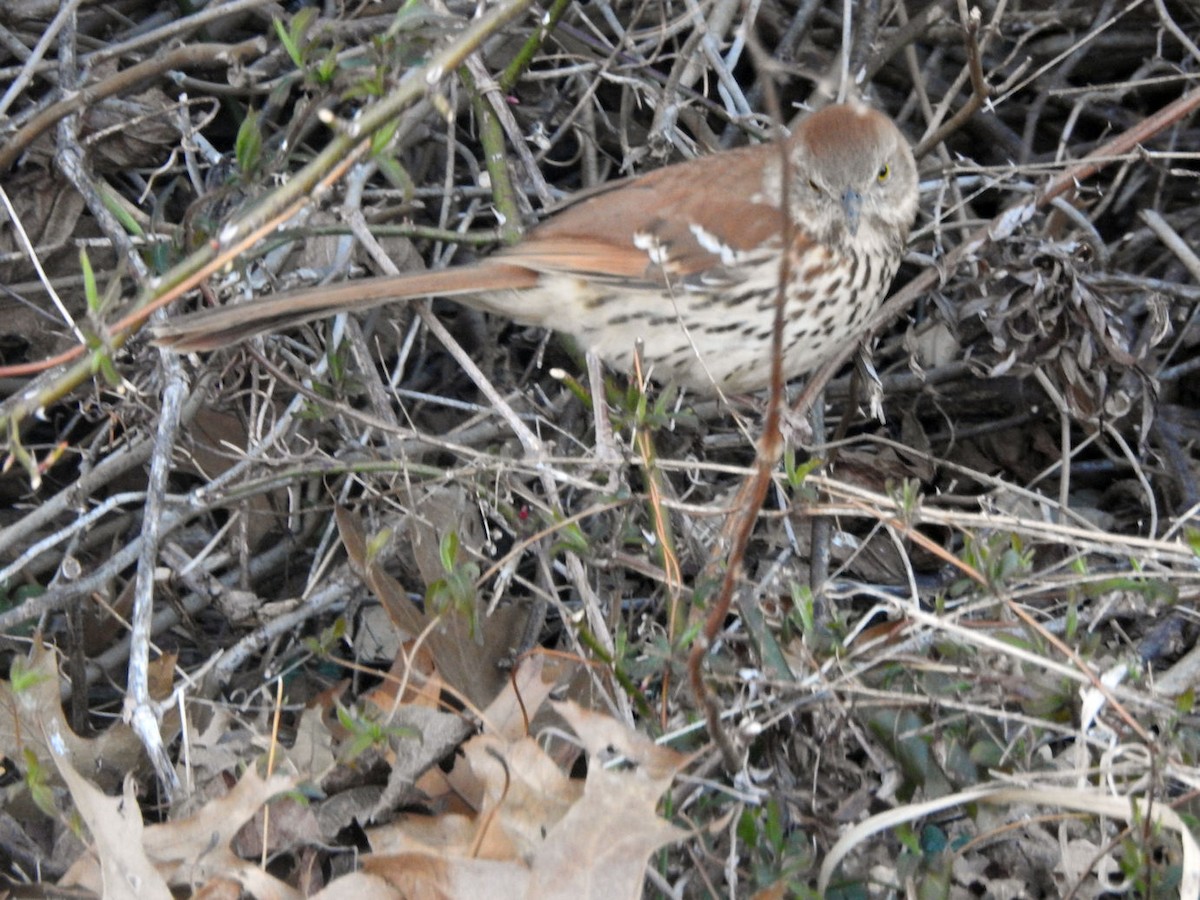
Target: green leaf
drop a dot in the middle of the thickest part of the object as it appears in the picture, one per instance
(908, 838)
(90, 291)
(22, 678)
(804, 607)
(248, 148)
(797, 472)
(300, 22)
(327, 68)
(1186, 701)
(448, 550)
(396, 174)
(122, 214)
(38, 785)
(288, 44)
(292, 36)
(1192, 536)
(572, 538)
(381, 137)
(376, 543)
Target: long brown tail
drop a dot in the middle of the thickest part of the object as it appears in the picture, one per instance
(211, 329)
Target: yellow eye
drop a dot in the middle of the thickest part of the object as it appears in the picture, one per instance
(884, 172)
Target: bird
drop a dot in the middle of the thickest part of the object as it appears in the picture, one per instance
(684, 261)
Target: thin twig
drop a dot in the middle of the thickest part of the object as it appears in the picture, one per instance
(125, 81)
(980, 90)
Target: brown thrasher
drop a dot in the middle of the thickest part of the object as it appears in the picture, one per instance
(685, 259)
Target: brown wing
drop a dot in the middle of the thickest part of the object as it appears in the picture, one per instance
(639, 232)
(645, 230)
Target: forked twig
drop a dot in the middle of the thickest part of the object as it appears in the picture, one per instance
(980, 89)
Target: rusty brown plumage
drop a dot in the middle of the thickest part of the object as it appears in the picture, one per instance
(685, 259)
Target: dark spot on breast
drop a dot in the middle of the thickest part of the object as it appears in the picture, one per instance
(733, 301)
(722, 329)
(814, 271)
(866, 279)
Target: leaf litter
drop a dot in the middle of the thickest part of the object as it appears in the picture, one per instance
(977, 678)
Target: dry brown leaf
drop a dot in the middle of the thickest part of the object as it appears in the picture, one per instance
(1081, 859)
(219, 889)
(934, 345)
(49, 210)
(428, 876)
(601, 847)
(506, 718)
(451, 834)
(538, 833)
(311, 752)
(776, 891)
(405, 616)
(359, 886)
(522, 785)
(132, 130)
(440, 733)
(292, 825)
(518, 704)
(214, 825)
(132, 861)
(604, 737)
(218, 749)
(346, 808)
(27, 715)
(469, 663)
(213, 439)
(415, 670)
(120, 867)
